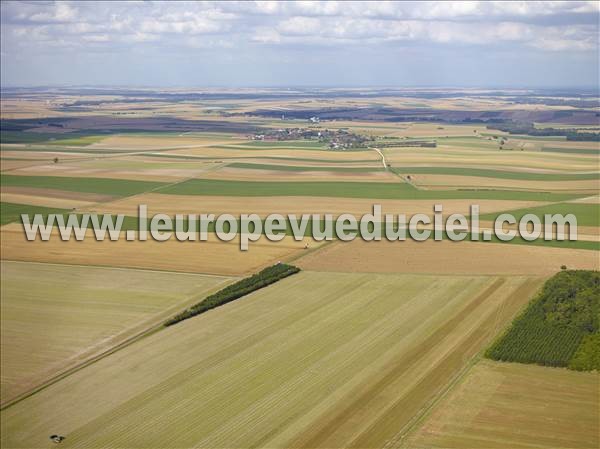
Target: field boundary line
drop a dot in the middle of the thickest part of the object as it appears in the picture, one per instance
(420, 417)
(156, 324)
(110, 267)
(154, 189)
(80, 366)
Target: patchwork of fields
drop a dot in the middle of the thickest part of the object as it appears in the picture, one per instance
(373, 344)
(211, 257)
(285, 366)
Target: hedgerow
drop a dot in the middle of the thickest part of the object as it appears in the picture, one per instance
(237, 290)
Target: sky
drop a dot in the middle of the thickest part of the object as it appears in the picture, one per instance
(341, 44)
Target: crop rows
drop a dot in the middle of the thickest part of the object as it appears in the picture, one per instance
(552, 328)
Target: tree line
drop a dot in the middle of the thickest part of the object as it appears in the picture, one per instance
(530, 130)
(236, 290)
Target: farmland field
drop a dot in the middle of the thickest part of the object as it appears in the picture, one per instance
(211, 257)
(371, 345)
(398, 190)
(446, 257)
(502, 405)
(115, 187)
(54, 316)
(312, 370)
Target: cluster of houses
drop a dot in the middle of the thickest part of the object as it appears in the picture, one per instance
(338, 139)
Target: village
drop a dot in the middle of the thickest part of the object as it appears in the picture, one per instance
(338, 139)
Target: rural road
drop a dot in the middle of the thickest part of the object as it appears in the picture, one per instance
(382, 157)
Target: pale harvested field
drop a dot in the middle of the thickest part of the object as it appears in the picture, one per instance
(573, 144)
(120, 168)
(272, 159)
(501, 405)
(38, 200)
(8, 165)
(438, 130)
(211, 257)
(446, 257)
(51, 197)
(38, 156)
(243, 174)
(444, 156)
(216, 153)
(457, 181)
(595, 199)
(263, 206)
(55, 316)
(345, 363)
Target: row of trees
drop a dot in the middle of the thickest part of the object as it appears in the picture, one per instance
(556, 324)
(237, 290)
(530, 130)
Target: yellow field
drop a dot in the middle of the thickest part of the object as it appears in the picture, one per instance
(501, 405)
(212, 256)
(56, 316)
(35, 157)
(120, 168)
(446, 257)
(345, 363)
(447, 156)
(51, 197)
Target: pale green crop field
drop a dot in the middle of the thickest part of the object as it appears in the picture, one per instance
(56, 316)
(315, 360)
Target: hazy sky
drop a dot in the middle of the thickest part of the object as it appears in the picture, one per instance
(498, 44)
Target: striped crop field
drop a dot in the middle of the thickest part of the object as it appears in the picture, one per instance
(346, 363)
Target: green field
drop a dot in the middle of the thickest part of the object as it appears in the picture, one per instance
(501, 174)
(346, 363)
(10, 212)
(587, 214)
(54, 316)
(276, 167)
(115, 187)
(348, 190)
(68, 139)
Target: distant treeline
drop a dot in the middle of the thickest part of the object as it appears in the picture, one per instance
(560, 327)
(530, 130)
(410, 143)
(234, 291)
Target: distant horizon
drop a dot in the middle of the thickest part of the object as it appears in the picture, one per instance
(306, 86)
(491, 45)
